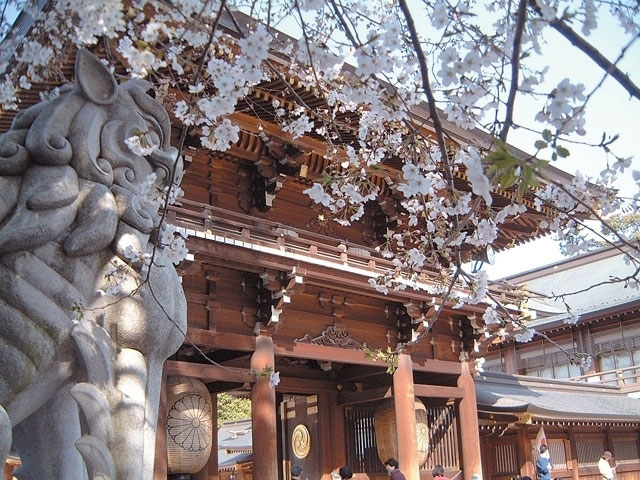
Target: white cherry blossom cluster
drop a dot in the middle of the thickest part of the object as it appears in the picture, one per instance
(152, 192)
(360, 61)
(141, 144)
(140, 260)
(525, 336)
(480, 184)
(220, 137)
(173, 244)
(563, 109)
(478, 288)
(299, 126)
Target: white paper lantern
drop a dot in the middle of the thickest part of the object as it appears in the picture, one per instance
(189, 425)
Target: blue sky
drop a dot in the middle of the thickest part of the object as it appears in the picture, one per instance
(610, 110)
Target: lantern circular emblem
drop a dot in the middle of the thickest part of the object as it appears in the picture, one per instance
(301, 441)
(189, 425)
(386, 432)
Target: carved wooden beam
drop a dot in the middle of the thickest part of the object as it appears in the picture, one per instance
(333, 336)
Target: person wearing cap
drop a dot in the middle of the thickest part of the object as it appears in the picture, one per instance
(296, 472)
(605, 468)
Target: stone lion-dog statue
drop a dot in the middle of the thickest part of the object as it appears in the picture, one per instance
(79, 393)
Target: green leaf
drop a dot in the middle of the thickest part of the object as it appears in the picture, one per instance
(540, 164)
(547, 135)
(540, 144)
(508, 180)
(563, 152)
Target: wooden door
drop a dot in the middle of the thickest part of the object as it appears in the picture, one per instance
(301, 436)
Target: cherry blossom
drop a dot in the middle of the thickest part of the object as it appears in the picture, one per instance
(400, 92)
(525, 336)
(221, 137)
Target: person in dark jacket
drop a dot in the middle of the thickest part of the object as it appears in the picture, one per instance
(393, 468)
(543, 464)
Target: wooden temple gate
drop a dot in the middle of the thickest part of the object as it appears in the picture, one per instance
(261, 299)
(273, 284)
(321, 427)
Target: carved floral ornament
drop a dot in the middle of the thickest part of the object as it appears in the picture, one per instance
(333, 336)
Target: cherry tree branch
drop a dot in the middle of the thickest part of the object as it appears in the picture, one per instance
(592, 52)
(515, 69)
(345, 27)
(424, 73)
(433, 112)
(573, 356)
(593, 212)
(611, 281)
(431, 101)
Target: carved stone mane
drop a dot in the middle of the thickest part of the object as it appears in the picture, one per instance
(70, 209)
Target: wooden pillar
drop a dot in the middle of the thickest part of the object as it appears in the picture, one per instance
(485, 451)
(573, 448)
(160, 464)
(210, 470)
(404, 402)
(338, 440)
(510, 360)
(526, 460)
(325, 434)
(331, 433)
(609, 441)
(489, 459)
(468, 417)
(263, 413)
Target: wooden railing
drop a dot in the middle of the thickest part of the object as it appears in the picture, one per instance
(207, 221)
(229, 227)
(628, 378)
